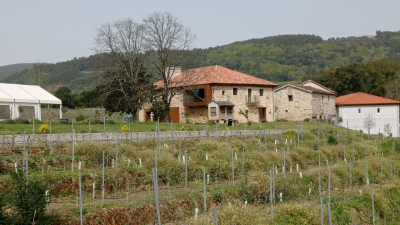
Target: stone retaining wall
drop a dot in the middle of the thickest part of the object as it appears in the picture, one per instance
(9, 141)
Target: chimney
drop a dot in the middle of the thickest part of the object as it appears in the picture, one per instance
(174, 71)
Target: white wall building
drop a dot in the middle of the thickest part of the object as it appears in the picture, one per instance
(353, 108)
(24, 101)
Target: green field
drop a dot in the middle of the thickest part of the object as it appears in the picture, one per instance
(59, 128)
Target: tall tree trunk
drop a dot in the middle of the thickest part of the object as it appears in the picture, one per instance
(133, 113)
(167, 109)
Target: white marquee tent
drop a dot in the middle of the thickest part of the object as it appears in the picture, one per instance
(23, 101)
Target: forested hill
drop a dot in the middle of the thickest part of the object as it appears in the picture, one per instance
(78, 74)
(5, 71)
(277, 58)
(290, 57)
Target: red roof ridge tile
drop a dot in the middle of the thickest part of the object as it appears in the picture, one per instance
(219, 75)
(361, 98)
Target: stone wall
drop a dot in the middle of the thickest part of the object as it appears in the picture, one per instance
(9, 141)
(240, 102)
(323, 106)
(298, 109)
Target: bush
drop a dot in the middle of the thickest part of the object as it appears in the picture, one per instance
(21, 121)
(64, 192)
(2, 210)
(332, 140)
(2, 170)
(80, 117)
(44, 128)
(96, 121)
(16, 150)
(307, 120)
(217, 197)
(125, 128)
(10, 121)
(27, 204)
(110, 122)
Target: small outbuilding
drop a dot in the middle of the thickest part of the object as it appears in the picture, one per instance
(221, 110)
(353, 109)
(24, 101)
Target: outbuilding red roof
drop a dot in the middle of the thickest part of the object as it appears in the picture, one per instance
(215, 75)
(361, 98)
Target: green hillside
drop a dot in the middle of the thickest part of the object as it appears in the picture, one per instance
(279, 58)
(5, 71)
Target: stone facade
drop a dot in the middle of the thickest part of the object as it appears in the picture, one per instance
(298, 109)
(240, 101)
(304, 104)
(201, 112)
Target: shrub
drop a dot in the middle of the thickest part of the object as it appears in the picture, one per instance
(332, 140)
(21, 121)
(125, 128)
(44, 128)
(27, 204)
(2, 169)
(96, 121)
(307, 120)
(64, 192)
(217, 197)
(10, 121)
(211, 122)
(16, 150)
(80, 117)
(110, 121)
(2, 210)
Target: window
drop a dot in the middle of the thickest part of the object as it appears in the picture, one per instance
(5, 112)
(359, 110)
(286, 111)
(261, 92)
(229, 111)
(378, 110)
(221, 111)
(223, 92)
(322, 98)
(213, 111)
(195, 95)
(328, 97)
(234, 91)
(290, 98)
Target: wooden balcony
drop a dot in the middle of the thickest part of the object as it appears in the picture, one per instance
(252, 99)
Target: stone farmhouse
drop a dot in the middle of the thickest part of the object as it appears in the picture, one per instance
(218, 96)
(308, 100)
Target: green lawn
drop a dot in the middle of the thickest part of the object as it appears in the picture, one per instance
(7, 128)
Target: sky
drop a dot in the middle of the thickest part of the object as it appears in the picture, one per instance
(52, 31)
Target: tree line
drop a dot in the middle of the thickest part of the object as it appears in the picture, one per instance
(381, 78)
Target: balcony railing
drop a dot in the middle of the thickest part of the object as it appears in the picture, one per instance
(252, 99)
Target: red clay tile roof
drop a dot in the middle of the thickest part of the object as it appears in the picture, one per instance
(316, 90)
(215, 75)
(361, 98)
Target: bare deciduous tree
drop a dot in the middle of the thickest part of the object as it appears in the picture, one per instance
(126, 84)
(35, 75)
(387, 129)
(369, 122)
(167, 45)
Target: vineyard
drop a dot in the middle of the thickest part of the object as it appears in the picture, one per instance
(306, 173)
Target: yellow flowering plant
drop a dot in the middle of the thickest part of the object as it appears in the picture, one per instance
(44, 128)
